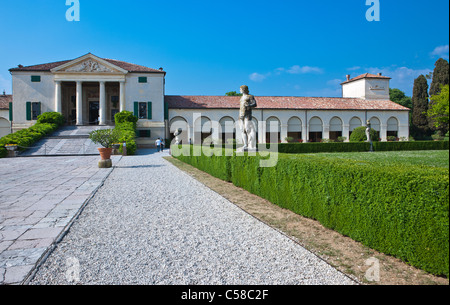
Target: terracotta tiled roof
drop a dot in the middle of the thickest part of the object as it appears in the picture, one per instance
(4, 101)
(366, 75)
(124, 65)
(280, 102)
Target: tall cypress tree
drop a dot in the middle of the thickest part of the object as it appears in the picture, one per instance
(420, 107)
(440, 77)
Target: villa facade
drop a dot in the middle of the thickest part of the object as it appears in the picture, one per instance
(90, 90)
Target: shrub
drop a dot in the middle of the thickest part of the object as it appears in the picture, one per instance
(125, 116)
(126, 125)
(105, 137)
(51, 118)
(359, 135)
(25, 138)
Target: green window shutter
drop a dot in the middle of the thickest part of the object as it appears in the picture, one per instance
(148, 133)
(35, 78)
(142, 80)
(39, 109)
(166, 111)
(11, 112)
(149, 110)
(28, 111)
(136, 109)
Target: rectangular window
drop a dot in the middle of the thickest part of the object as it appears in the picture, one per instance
(142, 79)
(142, 111)
(35, 110)
(35, 78)
(144, 133)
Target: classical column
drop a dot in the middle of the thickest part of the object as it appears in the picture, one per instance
(383, 132)
(346, 132)
(102, 110)
(304, 132)
(122, 97)
(79, 102)
(284, 133)
(326, 131)
(58, 103)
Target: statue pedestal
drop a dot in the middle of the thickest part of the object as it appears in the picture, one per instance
(105, 163)
(242, 149)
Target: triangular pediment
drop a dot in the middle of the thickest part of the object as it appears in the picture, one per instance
(89, 64)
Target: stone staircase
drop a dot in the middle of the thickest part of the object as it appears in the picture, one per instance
(66, 141)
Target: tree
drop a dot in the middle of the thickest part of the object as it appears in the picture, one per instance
(233, 93)
(399, 97)
(440, 78)
(420, 107)
(438, 110)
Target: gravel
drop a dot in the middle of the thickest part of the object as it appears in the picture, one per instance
(153, 224)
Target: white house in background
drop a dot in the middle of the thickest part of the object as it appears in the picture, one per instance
(90, 90)
(5, 114)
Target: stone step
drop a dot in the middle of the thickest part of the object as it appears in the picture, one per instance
(69, 140)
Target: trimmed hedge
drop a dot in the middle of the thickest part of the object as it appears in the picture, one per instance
(27, 137)
(400, 210)
(304, 148)
(126, 124)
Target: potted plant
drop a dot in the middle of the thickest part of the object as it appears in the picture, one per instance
(11, 147)
(106, 138)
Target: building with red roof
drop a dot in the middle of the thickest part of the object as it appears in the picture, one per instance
(90, 90)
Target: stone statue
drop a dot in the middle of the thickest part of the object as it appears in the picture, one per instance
(368, 132)
(246, 125)
(177, 134)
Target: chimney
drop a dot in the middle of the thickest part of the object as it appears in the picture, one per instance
(4, 92)
(20, 66)
(161, 69)
(379, 74)
(348, 77)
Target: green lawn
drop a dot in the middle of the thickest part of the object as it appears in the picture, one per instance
(433, 158)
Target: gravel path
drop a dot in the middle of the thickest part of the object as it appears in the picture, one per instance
(153, 224)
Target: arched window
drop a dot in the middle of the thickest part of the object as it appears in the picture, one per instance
(180, 122)
(295, 129)
(392, 127)
(5, 127)
(355, 122)
(335, 128)
(376, 125)
(202, 129)
(227, 129)
(315, 129)
(273, 130)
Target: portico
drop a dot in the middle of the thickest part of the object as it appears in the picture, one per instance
(88, 90)
(89, 101)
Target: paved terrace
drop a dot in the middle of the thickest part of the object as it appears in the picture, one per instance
(39, 198)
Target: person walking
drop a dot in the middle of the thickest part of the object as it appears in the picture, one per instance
(162, 145)
(158, 145)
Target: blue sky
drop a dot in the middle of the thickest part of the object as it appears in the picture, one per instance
(279, 48)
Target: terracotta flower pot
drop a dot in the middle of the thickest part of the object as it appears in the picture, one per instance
(105, 153)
